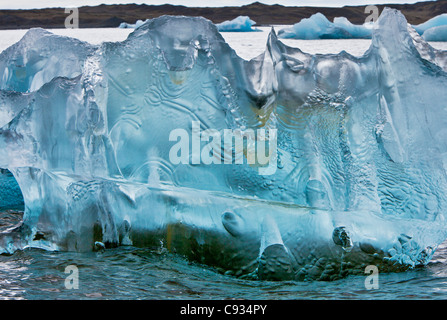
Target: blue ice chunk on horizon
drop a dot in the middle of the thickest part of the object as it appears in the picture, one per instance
(125, 25)
(434, 29)
(440, 20)
(436, 34)
(238, 24)
(356, 31)
(319, 27)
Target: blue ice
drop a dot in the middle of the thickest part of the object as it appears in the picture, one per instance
(360, 164)
(239, 24)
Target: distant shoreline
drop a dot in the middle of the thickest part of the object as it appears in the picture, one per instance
(110, 16)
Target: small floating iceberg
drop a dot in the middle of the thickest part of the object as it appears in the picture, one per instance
(434, 29)
(436, 34)
(363, 31)
(125, 25)
(437, 21)
(239, 24)
(319, 27)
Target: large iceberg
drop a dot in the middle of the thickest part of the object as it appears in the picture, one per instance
(125, 144)
(319, 27)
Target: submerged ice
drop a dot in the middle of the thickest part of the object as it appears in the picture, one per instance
(360, 175)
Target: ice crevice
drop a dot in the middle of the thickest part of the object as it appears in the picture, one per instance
(359, 177)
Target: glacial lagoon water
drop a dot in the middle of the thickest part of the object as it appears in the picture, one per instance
(155, 273)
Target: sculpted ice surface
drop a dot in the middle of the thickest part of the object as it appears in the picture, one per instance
(360, 173)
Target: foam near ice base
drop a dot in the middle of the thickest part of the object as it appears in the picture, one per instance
(360, 173)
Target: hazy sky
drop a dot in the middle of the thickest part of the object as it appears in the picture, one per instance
(32, 4)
